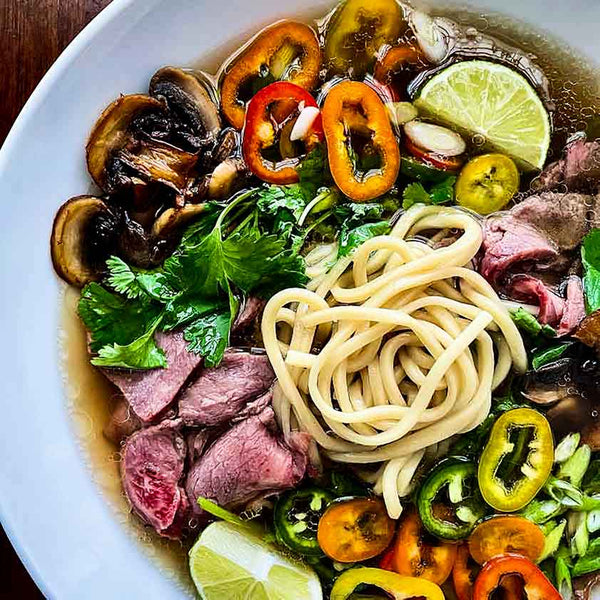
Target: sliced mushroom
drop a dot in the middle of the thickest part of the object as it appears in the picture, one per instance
(572, 413)
(84, 234)
(588, 331)
(587, 587)
(112, 132)
(123, 146)
(174, 219)
(548, 385)
(223, 178)
(159, 161)
(195, 115)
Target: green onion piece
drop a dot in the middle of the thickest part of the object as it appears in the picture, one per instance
(541, 511)
(574, 468)
(563, 579)
(593, 521)
(549, 355)
(578, 531)
(553, 539)
(591, 561)
(567, 447)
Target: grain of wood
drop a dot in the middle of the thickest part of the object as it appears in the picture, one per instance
(32, 35)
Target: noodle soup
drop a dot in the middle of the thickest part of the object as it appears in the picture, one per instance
(335, 308)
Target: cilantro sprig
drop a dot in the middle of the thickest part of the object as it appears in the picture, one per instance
(197, 288)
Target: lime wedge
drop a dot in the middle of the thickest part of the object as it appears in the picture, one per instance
(488, 99)
(228, 561)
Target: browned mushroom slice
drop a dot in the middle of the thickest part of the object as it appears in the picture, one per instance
(195, 114)
(158, 161)
(174, 219)
(223, 178)
(112, 132)
(83, 236)
(572, 413)
(588, 331)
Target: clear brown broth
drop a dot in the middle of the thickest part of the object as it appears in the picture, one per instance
(575, 87)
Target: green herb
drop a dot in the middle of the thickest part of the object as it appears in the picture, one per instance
(275, 198)
(212, 508)
(440, 193)
(591, 479)
(541, 511)
(553, 537)
(142, 353)
(590, 257)
(112, 319)
(548, 355)
(313, 172)
(197, 288)
(574, 468)
(567, 447)
(563, 578)
(350, 239)
(580, 537)
(590, 562)
(528, 324)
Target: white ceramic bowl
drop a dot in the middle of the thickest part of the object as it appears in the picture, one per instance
(60, 524)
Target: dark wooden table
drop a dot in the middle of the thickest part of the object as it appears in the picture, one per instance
(32, 34)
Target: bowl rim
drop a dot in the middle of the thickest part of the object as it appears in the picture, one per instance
(85, 37)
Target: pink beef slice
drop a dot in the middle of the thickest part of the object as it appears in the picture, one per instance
(561, 217)
(578, 170)
(574, 308)
(509, 243)
(150, 392)
(250, 460)
(232, 391)
(151, 467)
(121, 423)
(248, 314)
(530, 289)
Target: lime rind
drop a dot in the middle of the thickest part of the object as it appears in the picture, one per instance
(493, 101)
(230, 562)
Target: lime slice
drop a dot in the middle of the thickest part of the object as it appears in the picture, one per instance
(230, 562)
(488, 99)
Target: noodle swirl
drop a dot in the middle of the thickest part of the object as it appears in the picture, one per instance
(393, 349)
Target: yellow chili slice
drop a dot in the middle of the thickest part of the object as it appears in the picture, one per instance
(517, 459)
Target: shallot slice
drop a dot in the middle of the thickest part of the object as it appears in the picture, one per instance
(432, 38)
(435, 138)
(303, 123)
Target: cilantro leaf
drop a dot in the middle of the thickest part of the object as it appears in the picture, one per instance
(209, 336)
(440, 193)
(142, 353)
(590, 257)
(251, 260)
(413, 194)
(186, 308)
(111, 319)
(443, 192)
(275, 198)
(136, 283)
(122, 278)
(350, 239)
(313, 172)
(351, 213)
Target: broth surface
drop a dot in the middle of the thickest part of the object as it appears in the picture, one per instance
(575, 89)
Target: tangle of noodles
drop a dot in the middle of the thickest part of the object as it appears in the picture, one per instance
(393, 349)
